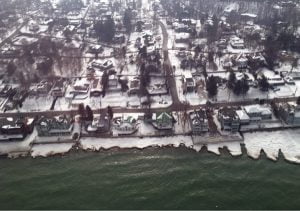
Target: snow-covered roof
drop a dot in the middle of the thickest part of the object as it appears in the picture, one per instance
(242, 115)
(182, 35)
(252, 109)
(250, 15)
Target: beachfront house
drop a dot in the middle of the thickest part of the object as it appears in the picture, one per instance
(15, 128)
(229, 119)
(258, 112)
(243, 116)
(162, 121)
(289, 113)
(56, 126)
(124, 126)
(199, 122)
(100, 124)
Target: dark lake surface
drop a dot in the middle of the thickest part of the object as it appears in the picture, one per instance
(149, 179)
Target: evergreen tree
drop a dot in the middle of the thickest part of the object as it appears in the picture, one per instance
(139, 26)
(241, 87)
(81, 111)
(89, 113)
(211, 86)
(110, 112)
(104, 82)
(231, 80)
(11, 68)
(204, 70)
(298, 101)
(127, 20)
(271, 52)
(263, 83)
(105, 30)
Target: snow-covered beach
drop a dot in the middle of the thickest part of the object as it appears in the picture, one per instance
(271, 143)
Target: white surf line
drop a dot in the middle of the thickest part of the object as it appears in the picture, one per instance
(234, 148)
(46, 150)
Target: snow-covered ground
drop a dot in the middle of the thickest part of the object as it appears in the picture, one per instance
(18, 146)
(37, 103)
(271, 143)
(98, 143)
(45, 150)
(287, 141)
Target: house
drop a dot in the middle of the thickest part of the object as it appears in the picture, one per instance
(58, 89)
(258, 112)
(119, 39)
(294, 75)
(55, 126)
(198, 121)
(43, 88)
(222, 44)
(147, 25)
(113, 83)
(100, 124)
(237, 43)
(243, 116)
(275, 80)
(134, 86)
(10, 51)
(80, 87)
(125, 126)
(241, 61)
(15, 128)
(182, 37)
(181, 28)
(289, 112)
(20, 96)
(97, 88)
(229, 119)
(188, 82)
(157, 86)
(5, 90)
(162, 121)
(248, 17)
(22, 41)
(33, 26)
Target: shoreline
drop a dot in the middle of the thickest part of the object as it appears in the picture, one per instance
(88, 144)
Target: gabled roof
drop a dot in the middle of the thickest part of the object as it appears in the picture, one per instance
(163, 115)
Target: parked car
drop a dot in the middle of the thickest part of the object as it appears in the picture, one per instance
(96, 49)
(103, 66)
(289, 80)
(275, 88)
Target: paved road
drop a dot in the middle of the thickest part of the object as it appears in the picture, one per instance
(173, 107)
(14, 33)
(168, 68)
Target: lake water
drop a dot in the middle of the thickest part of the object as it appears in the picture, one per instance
(153, 178)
